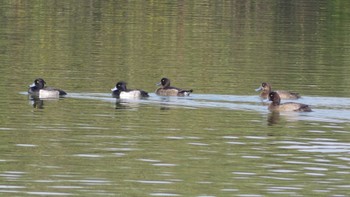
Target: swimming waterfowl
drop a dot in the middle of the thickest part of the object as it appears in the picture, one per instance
(289, 106)
(265, 89)
(120, 91)
(167, 90)
(38, 89)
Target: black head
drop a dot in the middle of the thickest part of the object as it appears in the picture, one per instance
(121, 85)
(39, 83)
(266, 86)
(165, 82)
(275, 98)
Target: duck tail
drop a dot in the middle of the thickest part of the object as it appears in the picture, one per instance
(297, 95)
(305, 108)
(144, 94)
(186, 92)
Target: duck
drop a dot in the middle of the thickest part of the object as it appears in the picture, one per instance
(266, 88)
(38, 89)
(120, 91)
(276, 105)
(167, 90)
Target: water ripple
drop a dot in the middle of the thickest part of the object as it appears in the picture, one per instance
(326, 109)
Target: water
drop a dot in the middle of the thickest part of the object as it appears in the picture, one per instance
(220, 141)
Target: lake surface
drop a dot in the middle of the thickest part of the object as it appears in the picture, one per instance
(220, 141)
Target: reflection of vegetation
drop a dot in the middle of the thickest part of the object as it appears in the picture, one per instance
(109, 40)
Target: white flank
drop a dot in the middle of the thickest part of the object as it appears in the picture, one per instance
(49, 94)
(130, 95)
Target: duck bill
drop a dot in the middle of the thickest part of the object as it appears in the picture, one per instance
(114, 89)
(259, 89)
(32, 85)
(159, 83)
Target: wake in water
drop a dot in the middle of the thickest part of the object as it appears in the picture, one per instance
(327, 109)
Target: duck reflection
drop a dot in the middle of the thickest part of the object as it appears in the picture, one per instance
(282, 117)
(36, 102)
(164, 102)
(273, 118)
(125, 104)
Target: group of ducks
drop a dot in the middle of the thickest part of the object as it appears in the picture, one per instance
(277, 95)
(120, 90)
(38, 89)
